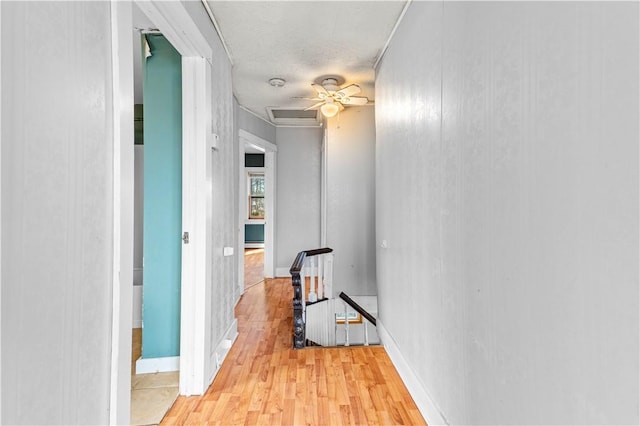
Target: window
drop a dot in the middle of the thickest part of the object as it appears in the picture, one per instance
(256, 195)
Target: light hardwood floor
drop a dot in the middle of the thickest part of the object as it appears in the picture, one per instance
(264, 381)
(253, 266)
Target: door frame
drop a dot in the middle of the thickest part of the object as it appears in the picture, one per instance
(175, 23)
(246, 138)
(122, 274)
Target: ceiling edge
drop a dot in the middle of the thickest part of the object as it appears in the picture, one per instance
(393, 32)
(256, 115)
(217, 28)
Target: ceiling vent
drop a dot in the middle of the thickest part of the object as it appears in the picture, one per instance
(293, 116)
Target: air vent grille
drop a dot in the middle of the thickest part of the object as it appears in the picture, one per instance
(293, 116)
(294, 113)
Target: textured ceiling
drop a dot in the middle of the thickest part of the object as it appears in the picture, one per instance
(302, 42)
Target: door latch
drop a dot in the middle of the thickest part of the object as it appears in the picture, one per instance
(185, 237)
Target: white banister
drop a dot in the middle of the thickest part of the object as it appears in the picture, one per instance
(313, 296)
(321, 323)
(366, 332)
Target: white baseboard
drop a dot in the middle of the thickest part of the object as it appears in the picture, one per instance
(253, 245)
(283, 272)
(239, 294)
(427, 407)
(222, 349)
(157, 365)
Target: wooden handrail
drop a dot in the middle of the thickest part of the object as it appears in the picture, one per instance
(298, 262)
(358, 308)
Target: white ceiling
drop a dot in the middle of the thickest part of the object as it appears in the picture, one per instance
(302, 42)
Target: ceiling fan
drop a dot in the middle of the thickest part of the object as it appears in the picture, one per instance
(332, 98)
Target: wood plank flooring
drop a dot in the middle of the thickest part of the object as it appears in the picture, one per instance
(253, 267)
(264, 381)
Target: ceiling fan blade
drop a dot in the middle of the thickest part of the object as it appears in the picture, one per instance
(321, 90)
(346, 92)
(341, 108)
(309, 99)
(314, 106)
(355, 100)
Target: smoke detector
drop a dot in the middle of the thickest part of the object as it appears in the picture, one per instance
(277, 82)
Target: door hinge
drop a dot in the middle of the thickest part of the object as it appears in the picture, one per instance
(185, 237)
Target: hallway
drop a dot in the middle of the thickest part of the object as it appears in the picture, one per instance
(264, 381)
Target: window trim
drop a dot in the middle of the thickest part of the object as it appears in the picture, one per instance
(254, 171)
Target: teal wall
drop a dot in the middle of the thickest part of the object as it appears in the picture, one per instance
(162, 200)
(254, 233)
(254, 160)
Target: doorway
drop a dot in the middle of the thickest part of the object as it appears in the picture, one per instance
(157, 221)
(162, 201)
(257, 207)
(254, 217)
(194, 342)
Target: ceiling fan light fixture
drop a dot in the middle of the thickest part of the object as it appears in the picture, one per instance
(330, 84)
(333, 99)
(329, 110)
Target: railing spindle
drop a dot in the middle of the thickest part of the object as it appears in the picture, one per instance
(366, 333)
(313, 296)
(321, 277)
(303, 283)
(328, 273)
(346, 325)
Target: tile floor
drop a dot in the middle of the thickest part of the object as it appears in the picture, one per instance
(151, 394)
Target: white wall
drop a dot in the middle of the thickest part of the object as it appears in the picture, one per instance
(507, 189)
(351, 200)
(298, 193)
(57, 208)
(256, 126)
(238, 226)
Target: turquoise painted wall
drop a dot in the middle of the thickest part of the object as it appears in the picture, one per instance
(162, 200)
(254, 233)
(254, 160)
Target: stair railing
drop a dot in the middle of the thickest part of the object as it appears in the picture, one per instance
(320, 286)
(359, 309)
